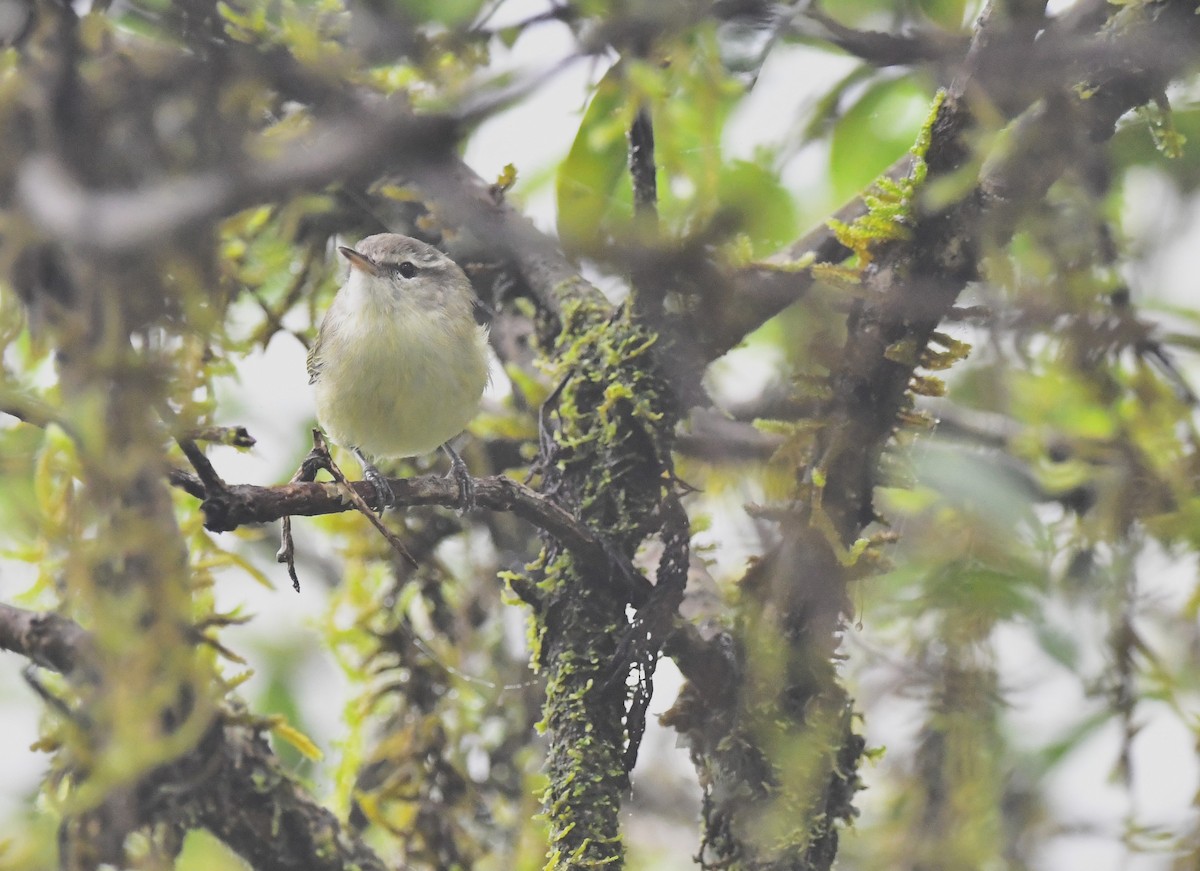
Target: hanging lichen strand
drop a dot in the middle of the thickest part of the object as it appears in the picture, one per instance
(606, 462)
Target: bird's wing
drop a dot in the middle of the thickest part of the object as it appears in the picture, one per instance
(314, 360)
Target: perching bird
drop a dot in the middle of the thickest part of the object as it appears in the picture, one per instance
(399, 364)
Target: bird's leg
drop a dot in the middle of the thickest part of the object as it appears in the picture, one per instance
(462, 476)
(384, 497)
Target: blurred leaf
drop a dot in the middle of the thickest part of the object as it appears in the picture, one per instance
(448, 12)
(1134, 145)
(987, 592)
(1060, 400)
(825, 112)
(875, 132)
(764, 209)
(1056, 751)
(202, 851)
(689, 97)
(1060, 645)
(594, 167)
(947, 14)
(988, 485)
(691, 103)
(861, 13)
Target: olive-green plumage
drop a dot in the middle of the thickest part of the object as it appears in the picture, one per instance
(399, 364)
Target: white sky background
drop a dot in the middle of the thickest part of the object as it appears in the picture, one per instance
(272, 398)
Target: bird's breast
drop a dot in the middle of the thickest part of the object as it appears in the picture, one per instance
(399, 383)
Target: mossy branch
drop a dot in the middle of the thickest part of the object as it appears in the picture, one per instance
(230, 783)
(797, 591)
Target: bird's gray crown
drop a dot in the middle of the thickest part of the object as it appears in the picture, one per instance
(390, 249)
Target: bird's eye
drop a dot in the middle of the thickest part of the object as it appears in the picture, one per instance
(406, 270)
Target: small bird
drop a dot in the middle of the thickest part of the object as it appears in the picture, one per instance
(400, 364)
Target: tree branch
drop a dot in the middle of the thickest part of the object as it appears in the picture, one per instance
(231, 783)
(46, 639)
(126, 221)
(799, 588)
(878, 48)
(27, 409)
(241, 504)
(370, 140)
(1152, 50)
(466, 201)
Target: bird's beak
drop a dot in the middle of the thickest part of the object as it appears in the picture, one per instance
(360, 261)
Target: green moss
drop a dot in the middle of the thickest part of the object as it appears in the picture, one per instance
(1161, 122)
(889, 203)
(940, 360)
(615, 417)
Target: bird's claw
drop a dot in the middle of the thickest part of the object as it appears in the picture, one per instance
(466, 488)
(462, 476)
(385, 497)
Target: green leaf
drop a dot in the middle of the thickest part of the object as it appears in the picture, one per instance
(825, 113)
(589, 176)
(875, 132)
(764, 208)
(448, 12)
(945, 13)
(1134, 144)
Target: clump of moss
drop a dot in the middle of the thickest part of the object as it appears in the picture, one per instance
(607, 460)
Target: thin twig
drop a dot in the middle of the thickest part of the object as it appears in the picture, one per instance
(361, 504)
(642, 169)
(233, 436)
(204, 469)
(316, 460)
(319, 458)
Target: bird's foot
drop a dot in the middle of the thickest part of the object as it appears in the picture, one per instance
(462, 476)
(385, 498)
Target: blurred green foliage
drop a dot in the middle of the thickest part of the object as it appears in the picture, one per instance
(1054, 503)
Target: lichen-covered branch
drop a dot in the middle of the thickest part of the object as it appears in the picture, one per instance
(911, 276)
(230, 783)
(609, 459)
(1145, 51)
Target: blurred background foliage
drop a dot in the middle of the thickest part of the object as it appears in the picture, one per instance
(1024, 662)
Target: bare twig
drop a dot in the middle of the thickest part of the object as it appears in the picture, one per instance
(317, 459)
(187, 482)
(714, 437)
(360, 503)
(49, 640)
(233, 436)
(875, 47)
(204, 468)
